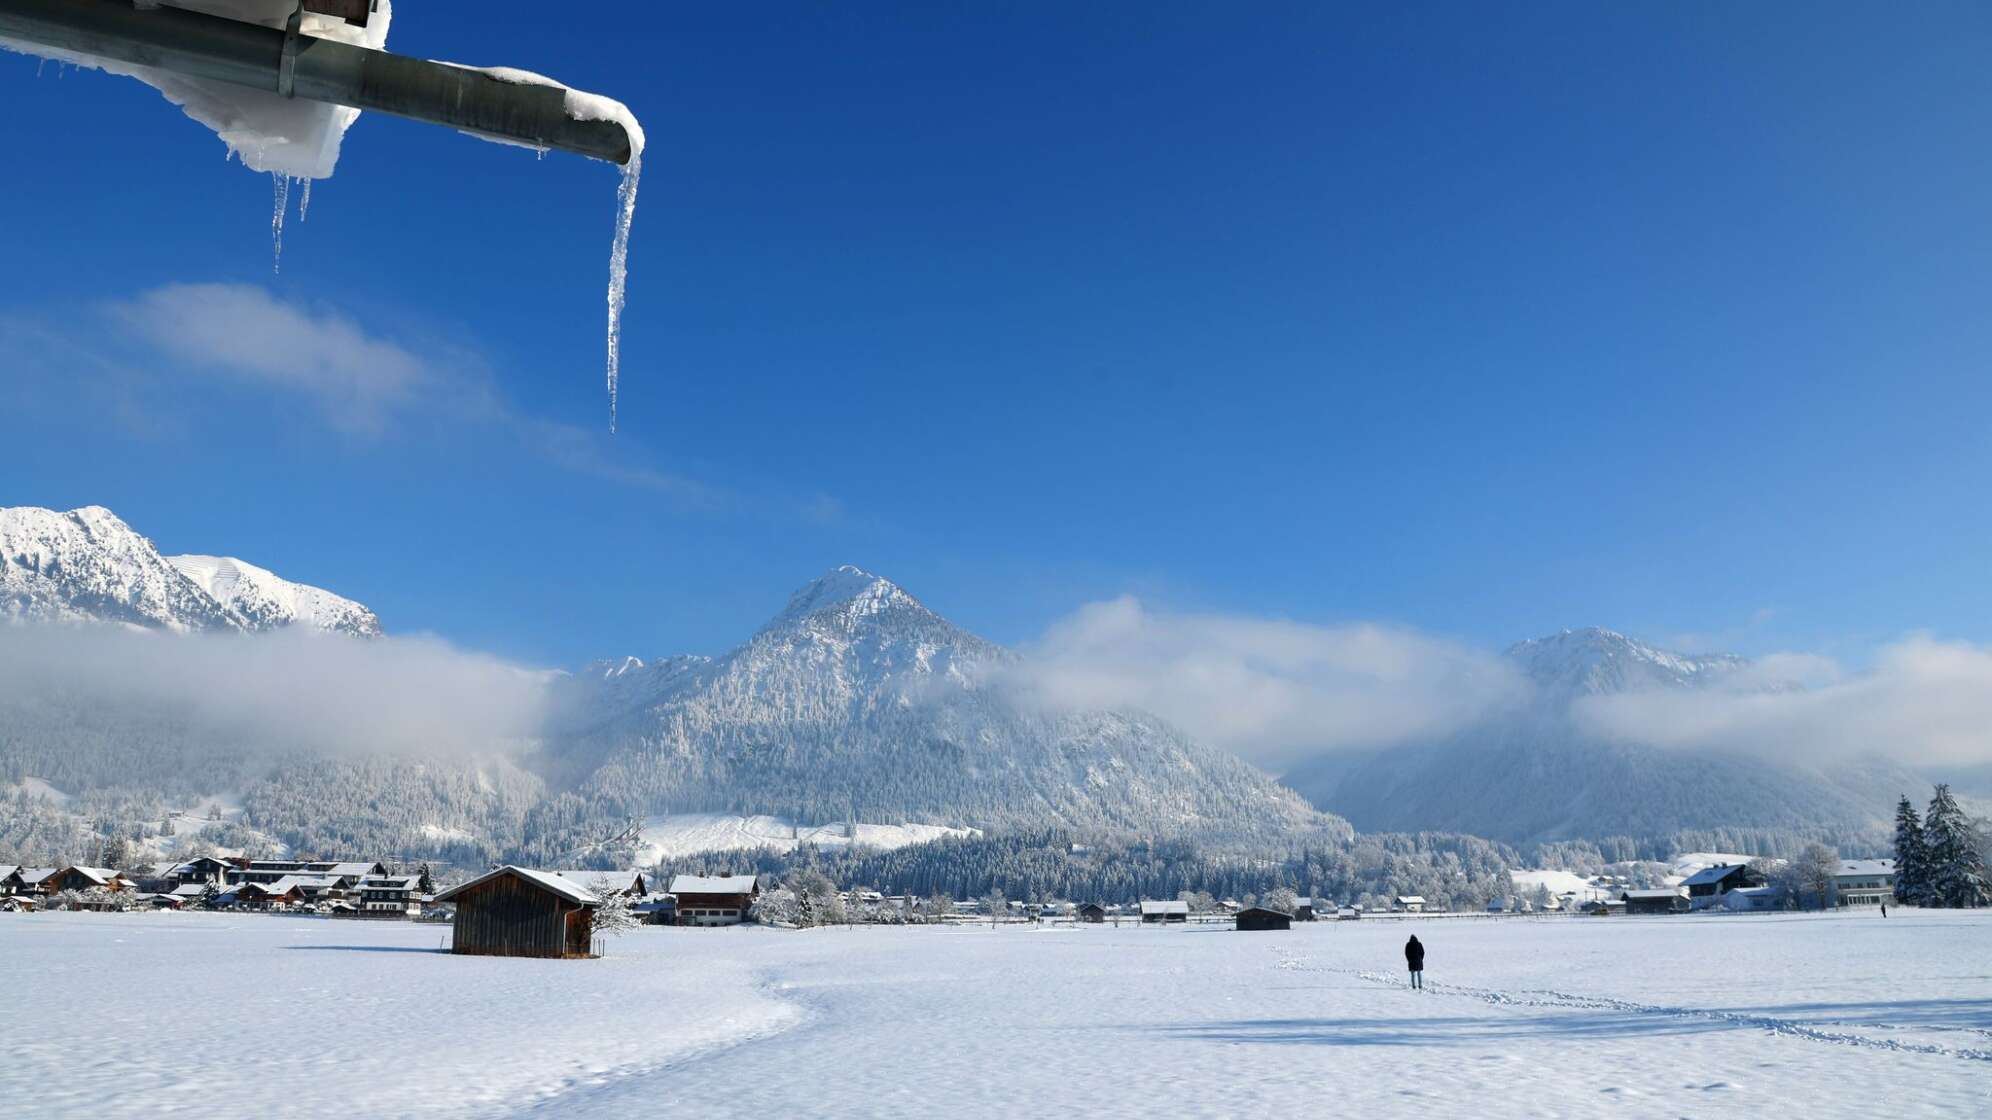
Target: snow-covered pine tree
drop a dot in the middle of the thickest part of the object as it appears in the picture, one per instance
(613, 914)
(1912, 887)
(1956, 867)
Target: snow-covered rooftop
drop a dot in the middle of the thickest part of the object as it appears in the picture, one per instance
(544, 879)
(617, 881)
(713, 884)
(1710, 875)
(1850, 867)
(1165, 906)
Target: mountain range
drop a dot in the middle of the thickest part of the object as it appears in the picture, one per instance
(857, 702)
(87, 565)
(1537, 774)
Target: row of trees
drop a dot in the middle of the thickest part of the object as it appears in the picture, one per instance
(1939, 858)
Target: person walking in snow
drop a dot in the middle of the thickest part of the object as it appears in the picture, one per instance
(1414, 955)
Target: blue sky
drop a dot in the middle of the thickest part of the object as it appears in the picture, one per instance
(1483, 322)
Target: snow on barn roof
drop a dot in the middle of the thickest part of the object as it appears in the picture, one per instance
(33, 875)
(8, 869)
(542, 879)
(1709, 876)
(713, 884)
(617, 881)
(1165, 906)
(1407, 899)
(1866, 867)
(188, 890)
(98, 875)
(1665, 892)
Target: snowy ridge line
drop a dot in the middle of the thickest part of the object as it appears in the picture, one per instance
(1770, 1024)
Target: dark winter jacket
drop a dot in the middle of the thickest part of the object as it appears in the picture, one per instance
(1414, 954)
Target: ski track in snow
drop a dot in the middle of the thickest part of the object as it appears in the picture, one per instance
(1542, 997)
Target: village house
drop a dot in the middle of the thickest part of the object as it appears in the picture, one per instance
(350, 872)
(1707, 886)
(1409, 903)
(16, 903)
(1663, 901)
(391, 895)
(164, 877)
(658, 910)
(80, 878)
(715, 900)
(1751, 898)
(1264, 918)
(516, 912)
(1092, 912)
(1865, 882)
(34, 879)
(1303, 909)
(10, 879)
(1164, 911)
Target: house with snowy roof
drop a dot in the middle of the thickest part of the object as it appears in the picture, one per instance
(1164, 911)
(1744, 899)
(1707, 886)
(1865, 882)
(10, 879)
(80, 878)
(270, 870)
(389, 895)
(715, 900)
(1409, 903)
(631, 883)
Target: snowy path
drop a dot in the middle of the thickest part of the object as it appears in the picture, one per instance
(171, 1014)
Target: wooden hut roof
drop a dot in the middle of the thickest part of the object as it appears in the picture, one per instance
(544, 880)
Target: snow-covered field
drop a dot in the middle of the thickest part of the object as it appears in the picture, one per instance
(1841, 1015)
(684, 834)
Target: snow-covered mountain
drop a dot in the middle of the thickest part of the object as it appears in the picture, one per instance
(264, 600)
(87, 565)
(1534, 775)
(1594, 660)
(858, 699)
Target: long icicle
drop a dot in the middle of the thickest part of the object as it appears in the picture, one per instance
(282, 184)
(619, 273)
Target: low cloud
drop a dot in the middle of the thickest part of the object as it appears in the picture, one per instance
(284, 690)
(1269, 690)
(1923, 702)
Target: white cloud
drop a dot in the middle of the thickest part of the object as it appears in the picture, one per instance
(243, 331)
(1923, 702)
(282, 690)
(1273, 691)
(359, 380)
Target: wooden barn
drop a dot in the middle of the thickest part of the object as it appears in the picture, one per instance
(1655, 902)
(514, 912)
(1092, 912)
(1261, 918)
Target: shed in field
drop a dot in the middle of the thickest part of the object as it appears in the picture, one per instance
(1092, 912)
(1164, 911)
(1261, 918)
(1667, 901)
(514, 912)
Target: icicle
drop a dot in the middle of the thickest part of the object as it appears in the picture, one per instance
(282, 183)
(619, 272)
(304, 202)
